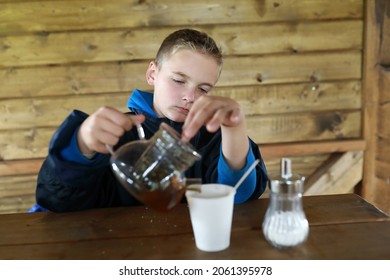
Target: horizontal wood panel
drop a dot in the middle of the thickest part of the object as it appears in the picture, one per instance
(17, 204)
(17, 193)
(279, 150)
(291, 68)
(104, 46)
(302, 165)
(35, 16)
(72, 79)
(20, 167)
(300, 97)
(33, 143)
(121, 77)
(305, 127)
(41, 112)
(17, 185)
(271, 154)
(255, 100)
(27, 143)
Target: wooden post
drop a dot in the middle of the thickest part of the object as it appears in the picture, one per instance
(375, 12)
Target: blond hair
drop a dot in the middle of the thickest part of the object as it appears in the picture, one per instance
(188, 39)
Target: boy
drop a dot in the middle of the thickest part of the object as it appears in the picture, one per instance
(76, 174)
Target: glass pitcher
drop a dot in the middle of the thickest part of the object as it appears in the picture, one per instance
(152, 170)
(285, 224)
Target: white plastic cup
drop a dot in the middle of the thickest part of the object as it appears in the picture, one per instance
(211, 213)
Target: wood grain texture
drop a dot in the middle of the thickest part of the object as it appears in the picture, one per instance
(279, 150)
(17, 193)
(322, 244)
(20, 167)
(338, 175)
(30, 112)
(376, 83)
(296, 97)
(124, 45)
(384, 83)
(237, 71)
(304, 127)
(306, 156)
(33, 142)
(337, 224)
(48, 16)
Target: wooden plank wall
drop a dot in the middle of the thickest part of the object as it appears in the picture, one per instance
(295, 66)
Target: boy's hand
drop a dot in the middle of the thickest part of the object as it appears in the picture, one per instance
(213, 112)
(105, 126)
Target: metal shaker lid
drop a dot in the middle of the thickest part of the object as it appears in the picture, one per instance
(287, 182)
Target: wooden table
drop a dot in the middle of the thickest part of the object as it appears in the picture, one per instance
(341, 227)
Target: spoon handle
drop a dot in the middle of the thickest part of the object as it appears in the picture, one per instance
(109, 149)
(246, 174)
(141, 132)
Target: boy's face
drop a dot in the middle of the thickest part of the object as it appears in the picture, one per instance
(181, 79)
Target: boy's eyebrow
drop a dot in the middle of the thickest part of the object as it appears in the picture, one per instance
(186, 76)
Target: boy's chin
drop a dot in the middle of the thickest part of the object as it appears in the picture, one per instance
(177, 117)
(179, 120)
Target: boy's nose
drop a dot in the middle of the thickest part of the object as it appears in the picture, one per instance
(189, 95)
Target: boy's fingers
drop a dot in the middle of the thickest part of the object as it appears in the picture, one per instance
(136, 119)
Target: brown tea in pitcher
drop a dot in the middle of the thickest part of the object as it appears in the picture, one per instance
(157, 189)
(163, 200)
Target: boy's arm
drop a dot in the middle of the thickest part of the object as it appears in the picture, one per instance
(65, 185)
(216, 112)
(235, 144)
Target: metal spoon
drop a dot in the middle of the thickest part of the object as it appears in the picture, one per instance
(246, 174)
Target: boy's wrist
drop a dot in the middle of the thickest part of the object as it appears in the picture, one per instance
(84, 150)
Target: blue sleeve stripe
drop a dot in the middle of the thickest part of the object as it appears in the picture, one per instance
(72, 152)
(228, 176)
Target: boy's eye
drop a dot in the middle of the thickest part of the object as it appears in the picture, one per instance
(204, 90)
(178, 81)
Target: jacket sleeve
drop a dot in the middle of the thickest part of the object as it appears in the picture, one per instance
(261, 172)
(69, 186)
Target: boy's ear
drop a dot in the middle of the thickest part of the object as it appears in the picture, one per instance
(151, 73)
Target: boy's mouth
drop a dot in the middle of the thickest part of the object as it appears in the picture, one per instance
(183, 110)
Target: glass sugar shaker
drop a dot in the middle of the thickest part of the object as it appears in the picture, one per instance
(285, 224)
